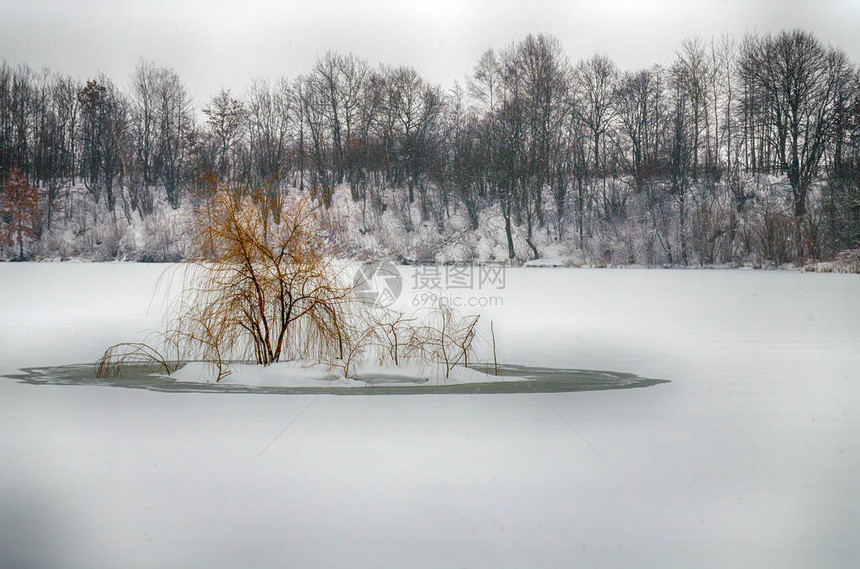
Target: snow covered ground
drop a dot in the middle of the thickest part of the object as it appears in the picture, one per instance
(748, 458)
(319, 376)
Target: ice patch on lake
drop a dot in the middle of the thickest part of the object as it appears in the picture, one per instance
(296, 378)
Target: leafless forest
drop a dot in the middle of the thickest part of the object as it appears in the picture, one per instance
(743, 150)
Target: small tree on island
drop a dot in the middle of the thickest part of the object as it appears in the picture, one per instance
(266, 286)
(261, 287)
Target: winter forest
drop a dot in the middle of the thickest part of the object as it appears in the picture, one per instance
(743, 151)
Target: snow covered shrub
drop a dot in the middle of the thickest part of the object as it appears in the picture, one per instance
(440, 336)
(107, 241)
(162, 239)
(119, 358)
(845, 262)
(446, 337)
(774, 233)
(848, 261)
(708, 232)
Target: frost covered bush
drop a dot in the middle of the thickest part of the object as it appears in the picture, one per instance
(845, 262)
(163, 239)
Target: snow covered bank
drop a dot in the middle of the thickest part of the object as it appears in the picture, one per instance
(305, 374)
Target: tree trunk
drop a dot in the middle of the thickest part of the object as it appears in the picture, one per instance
(511, 253)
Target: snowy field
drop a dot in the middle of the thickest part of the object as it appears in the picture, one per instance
(749, 458)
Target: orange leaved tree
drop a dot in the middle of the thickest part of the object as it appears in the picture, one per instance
(19, 211)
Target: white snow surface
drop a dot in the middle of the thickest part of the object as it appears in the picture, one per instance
(309, 374)
(748, 458)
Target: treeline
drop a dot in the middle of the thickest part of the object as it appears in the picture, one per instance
(737, 150)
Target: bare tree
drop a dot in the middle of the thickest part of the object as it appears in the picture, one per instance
(547, 81)
(313, 140)
(801, 83)
(595, 83)
(225, 117)
(144, 121)
(270, 119)
(693, 74)
(416, 109)
(681, 142)
(638, 106)
(260, 288)
(173, 116)
(104, 138)
(485, 82)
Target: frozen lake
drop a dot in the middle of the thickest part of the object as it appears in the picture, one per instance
(748, 458)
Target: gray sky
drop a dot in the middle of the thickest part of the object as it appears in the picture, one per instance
(214, 43)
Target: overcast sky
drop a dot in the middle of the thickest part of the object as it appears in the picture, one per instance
(215, 43)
